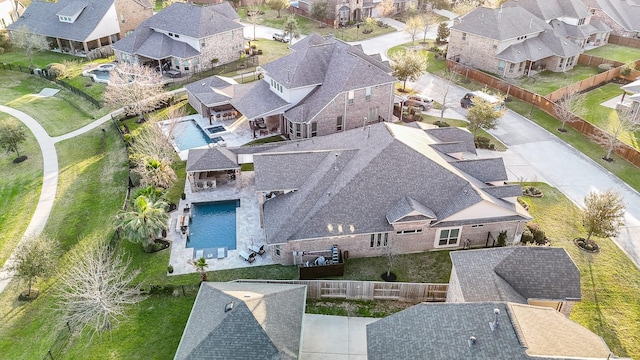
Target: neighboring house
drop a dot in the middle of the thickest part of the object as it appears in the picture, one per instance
(324, 86)
(542, 276)
(185, 38)
(78, 26)
(344, 12)
(622, 16)
(237, 320)
(380, 188)
(488, 330)
(511, 42)
(10, 10)
(634, 105)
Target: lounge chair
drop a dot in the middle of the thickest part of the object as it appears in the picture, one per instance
(247, 257)
(257, 249)
(199, 254)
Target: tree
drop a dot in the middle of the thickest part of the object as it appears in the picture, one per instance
(254, 17)
(97, 288)
(482, 115)
(465, 6)
(619, 123)
(320, 9)
(12, 134)
(428, 19)
(278, 5)
(385, 8)
(200, 265)
(448, 82)
(29, 42)
(443, 33)
(567, 107)
(291, 28)
(413, 27)
(408, 65)
(141, 224)
(137, 88)
(603, 214)
(35, 257)
(369, 23)
(156, 173)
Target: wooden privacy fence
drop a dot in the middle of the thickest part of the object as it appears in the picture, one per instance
(624, 41)
(368, 290)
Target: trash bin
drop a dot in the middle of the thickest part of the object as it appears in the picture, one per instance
(345, 255)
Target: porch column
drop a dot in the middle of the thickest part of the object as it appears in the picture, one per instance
(160, 66)
(59, 44)
(84, 45)
(99, 43)
(109, 39)
(73, 50)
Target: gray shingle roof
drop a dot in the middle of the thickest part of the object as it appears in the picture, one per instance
(353, 189)
(504, 191)
(505, 274)
(408, 207)
(624, 12)
(41, 18)
(485, 170)
(264, 323)
(454, 135)
(211, 160)
(73, 8)
(505, 23)
(212, 90)
(255, 100)
(554, 9)
(547, 43)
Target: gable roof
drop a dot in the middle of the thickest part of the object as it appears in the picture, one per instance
(504, 274)
(547, 43)
(41, 18)
(442, 331)
(554, 9)
(500, 24)
(212, 90)
(265, 322)
(624, 12)
(348, 183)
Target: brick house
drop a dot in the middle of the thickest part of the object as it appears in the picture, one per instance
(375, 189)
(343, 12)
(512, 41)
(76, 27)
(504, 274)
(622, 16)
(325, 86)
(185, 38)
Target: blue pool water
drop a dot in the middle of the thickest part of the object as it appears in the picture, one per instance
(216, 129)
(188, 135)
(213, 225)
(101, 74)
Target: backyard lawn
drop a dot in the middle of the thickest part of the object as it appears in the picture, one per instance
(615, 52)
(547, 82)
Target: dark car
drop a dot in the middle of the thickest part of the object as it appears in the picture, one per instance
(467, 100)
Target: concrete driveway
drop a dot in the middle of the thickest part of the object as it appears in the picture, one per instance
(334, 337)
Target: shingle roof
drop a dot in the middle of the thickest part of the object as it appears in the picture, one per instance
(73, 8)
(547, 43)
(624, 12)
(554, 9)
(504, 274)
(485, 170)
(256, 99)
(212, 90)
(41, 18)
(211, 160)
(265, 322)
(345, 180)
(454, 135)
(442, 332)
(505, 23)
(408, 207)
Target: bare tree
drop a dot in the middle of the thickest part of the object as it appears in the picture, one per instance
(603, 214)
(464, 6)
(291, 28)
(34, 258)
(428, 19)
(609, 139)
(98, 287)
(137, 88)
(320, 9)
(385, 8)
(278, 5)
(29, 42)
(254, 17)
(408, 65)
(567, 107)
(448, 81)
(413, 27)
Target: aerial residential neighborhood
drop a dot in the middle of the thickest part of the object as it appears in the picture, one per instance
(320, 179)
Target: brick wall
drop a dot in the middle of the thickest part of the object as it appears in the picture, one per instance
(475, 51)
(133, 13)
(226, 47)
(616, 29)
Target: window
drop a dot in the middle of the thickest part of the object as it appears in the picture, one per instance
(581, 21)
(464, 36)
(379, 240)
(367, 93)
(290, 128)
(314, 129)
(122, 18)
(448, 237)
(477, 226)
(203, 43)
(520, 67)
(298, 130)
(403, 232)
(277, 250)
(339, 123)
(501, 65)
(511, 67)
(350, 96)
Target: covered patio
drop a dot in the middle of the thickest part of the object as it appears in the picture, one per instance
(212, 168)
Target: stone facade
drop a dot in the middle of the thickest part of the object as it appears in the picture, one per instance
(131, 14)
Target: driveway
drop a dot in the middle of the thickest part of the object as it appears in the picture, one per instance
(535, 154)
(334, 337)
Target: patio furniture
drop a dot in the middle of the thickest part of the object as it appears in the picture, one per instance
(199, 254)
(222, 253)
(257, 249)
(247, 257)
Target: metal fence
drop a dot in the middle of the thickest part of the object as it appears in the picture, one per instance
(59, 343)
(368, 290)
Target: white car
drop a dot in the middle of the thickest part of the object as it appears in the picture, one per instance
(420, 101)
(281, 37)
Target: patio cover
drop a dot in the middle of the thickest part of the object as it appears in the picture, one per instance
(257, 100)
(212, 159)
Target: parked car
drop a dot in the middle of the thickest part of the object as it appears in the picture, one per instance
(467, 100)
(281, 37)
(420, 101)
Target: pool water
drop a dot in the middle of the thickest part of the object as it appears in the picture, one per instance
(216, 129)
(213, 225)
(101, 74)
(188, 135)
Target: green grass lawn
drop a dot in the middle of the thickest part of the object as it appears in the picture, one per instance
(615, 52)
(434, 66)
(41, 59)
(547, 82)
(610, 305)
(20, 186)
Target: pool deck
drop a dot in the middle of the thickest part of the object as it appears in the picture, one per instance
(248, 231)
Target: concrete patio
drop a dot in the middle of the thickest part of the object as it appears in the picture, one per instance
(334, 337)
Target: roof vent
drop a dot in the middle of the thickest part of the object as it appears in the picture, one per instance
(471, 341)
(494, 324)
(228, 307)
(247, 295)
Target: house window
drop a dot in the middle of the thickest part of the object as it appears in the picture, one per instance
(203, 43)
(501, 65)
(314, 129)
(520, 67)
(511, 67)
(276, 250)
(379, 240)
(350, 96)
(581, 21)
(448, 237)
(122, 18)
(339, 123)
(290, 128)
(464, 36)
(477, 226)
(298, 130)
(404, 232)
(367, 93)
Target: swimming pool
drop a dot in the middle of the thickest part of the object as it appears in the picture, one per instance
(188, 135)
(215, 129)
(213, 225)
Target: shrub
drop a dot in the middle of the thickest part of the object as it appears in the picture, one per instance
(439, 123)
(482, 142)
(59, 71)
(604, 67)
(502, 238)
(627, 67)
(527, 236)
(538, 234)
(100, 53)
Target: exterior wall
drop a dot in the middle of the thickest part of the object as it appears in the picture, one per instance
(475, 51)
(552, 63)
(226, 47)
(200, 107)
(7, 13)
(107, 26)
(616, 28)
(454, 292)
(134, 14)
(564, 307)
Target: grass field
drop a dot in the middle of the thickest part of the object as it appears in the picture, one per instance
(615, 52)
(547, 82)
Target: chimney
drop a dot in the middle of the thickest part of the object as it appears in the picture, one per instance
(494, 324)
(471, 341)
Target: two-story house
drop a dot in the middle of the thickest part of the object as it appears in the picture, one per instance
(511, 41)
(325, 86)
(343, 12)
(76, 27)
(185, 37)
(622, 16)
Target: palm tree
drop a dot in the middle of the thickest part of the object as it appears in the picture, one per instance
(200, 265)
(141, 224)
(157, 173)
